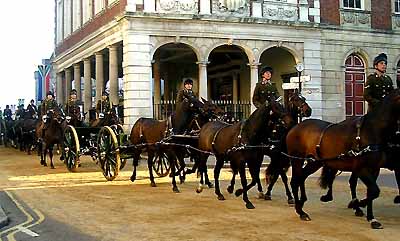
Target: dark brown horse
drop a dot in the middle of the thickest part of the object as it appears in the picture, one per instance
(149, 131)
(279, 165)
(353, 145)
(52, 134)
(228, 142)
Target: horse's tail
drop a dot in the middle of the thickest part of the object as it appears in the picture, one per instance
(327, 176)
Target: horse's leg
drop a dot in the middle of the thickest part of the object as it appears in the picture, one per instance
(285, 182)
(354, 200)
(372, 193)
(242, 172)
(172, 159)
(51, 156)
(255, 179)
(204, 171)
(330, 175)
(150, 157)
(272, 181)
(217, 169)
(397, 174)
(231, 187)
(44, 154)
(135, 163)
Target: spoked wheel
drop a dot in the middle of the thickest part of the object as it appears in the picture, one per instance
(108, 153)
(119, 132)
(161, 164)
(71, 148)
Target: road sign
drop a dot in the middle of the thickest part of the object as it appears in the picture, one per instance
(303, 78)
(290, 86)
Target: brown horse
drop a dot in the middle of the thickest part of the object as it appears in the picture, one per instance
(353, 145)
(52, 134)
(149, 131)
(279, 165)
(228, 142)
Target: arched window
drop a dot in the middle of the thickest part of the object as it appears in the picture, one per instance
(354, 86)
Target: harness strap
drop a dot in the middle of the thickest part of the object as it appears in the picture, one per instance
(216, 135)
(318, 147)
(358, 138)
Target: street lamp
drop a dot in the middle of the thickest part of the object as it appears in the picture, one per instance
(299, 67)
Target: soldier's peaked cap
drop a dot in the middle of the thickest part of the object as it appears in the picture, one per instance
(379, 58)
(73, 92)
(188, 81)
(265, 69)
(50, 93)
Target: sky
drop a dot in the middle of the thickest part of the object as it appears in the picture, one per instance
(27, 37)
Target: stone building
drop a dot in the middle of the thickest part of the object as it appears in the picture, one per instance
(151, 46)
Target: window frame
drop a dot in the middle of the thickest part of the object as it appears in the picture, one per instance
(362, 3)
(396, 3)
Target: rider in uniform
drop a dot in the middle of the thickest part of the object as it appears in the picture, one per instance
(48, 105)
(73, 105)
(7, 113)
(185, 95)
(31, 109)
(378, 84)
(104, 105)
(265, 89)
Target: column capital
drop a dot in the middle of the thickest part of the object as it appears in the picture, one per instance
(99, 53)
(254, 65)
(77, 65)
(86, 59)
(112, 47)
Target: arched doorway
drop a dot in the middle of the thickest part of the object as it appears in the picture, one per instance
(354, 86)
(172, 64)
(398, 75)
(228, 77)
(283, 64)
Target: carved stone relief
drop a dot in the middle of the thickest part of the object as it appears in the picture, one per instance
(231, 7)
(356, 19)
(280, 11)
(181, 6)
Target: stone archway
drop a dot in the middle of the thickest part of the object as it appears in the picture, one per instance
(283, 65)
(172, 64)
(229, 82)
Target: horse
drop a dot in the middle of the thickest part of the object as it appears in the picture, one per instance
(356, 145)
(148, 131)
(53, 134)
(25, 129)
(106, 119)
(279, 164)
(229, 141)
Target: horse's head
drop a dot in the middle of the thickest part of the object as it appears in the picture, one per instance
(279, 114)
(211, 110)
(298, 105)
(111, 117)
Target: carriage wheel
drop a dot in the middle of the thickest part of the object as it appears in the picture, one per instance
(71, 148)
(119, 132)
(161, 164)
(108, 153)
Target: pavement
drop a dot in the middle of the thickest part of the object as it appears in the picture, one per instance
(3, 218)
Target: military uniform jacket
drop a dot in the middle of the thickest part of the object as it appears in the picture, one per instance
(7, 113)
(32, 109)
(48, 105)
(72, 107)
(264, 92)
(103, 106)
(185, 94)
(377, 88)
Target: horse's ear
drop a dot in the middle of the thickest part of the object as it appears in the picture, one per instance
(296, 91)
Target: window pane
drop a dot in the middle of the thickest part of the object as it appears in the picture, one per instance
(351, 3)
(358, 3)
(346, 3)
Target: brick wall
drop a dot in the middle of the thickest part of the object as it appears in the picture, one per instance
(97, 22)
(330, 11)
(381, 12)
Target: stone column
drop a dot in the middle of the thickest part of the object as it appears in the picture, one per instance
(59, 88)
(137, 77)
(77, 79)
(149, 6)
(68, 83)
(99, 75)
(157, 82)
(113, 74)
(203, 79)
(87, 92)
(257, 8)
(303, 11)
(235, 80)
(205, 7)
(253, 81)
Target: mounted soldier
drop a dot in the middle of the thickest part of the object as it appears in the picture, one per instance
(48, 105)
(20, 112)
(103, 105)
(265, 89)
(32, 110)
(74, 108)
(7, 113)
(378, 84)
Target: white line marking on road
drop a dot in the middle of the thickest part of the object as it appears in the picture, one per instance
(28, 231)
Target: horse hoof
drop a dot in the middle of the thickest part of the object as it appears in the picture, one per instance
(326, 198)
(133, 178)
(267, 197)
(199, 190)
(353, 204)
(153, 184)
(376, 225)
(238, 192)
(221, 197)
(249, 205)
(210, 185)
(290, 201)
(176, 190)
(261, 195)
(52, 167)
(230, 189)
(397, 199)
(358, 213)
(305, 217)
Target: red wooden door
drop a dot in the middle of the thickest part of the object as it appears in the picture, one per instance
(354, 86)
